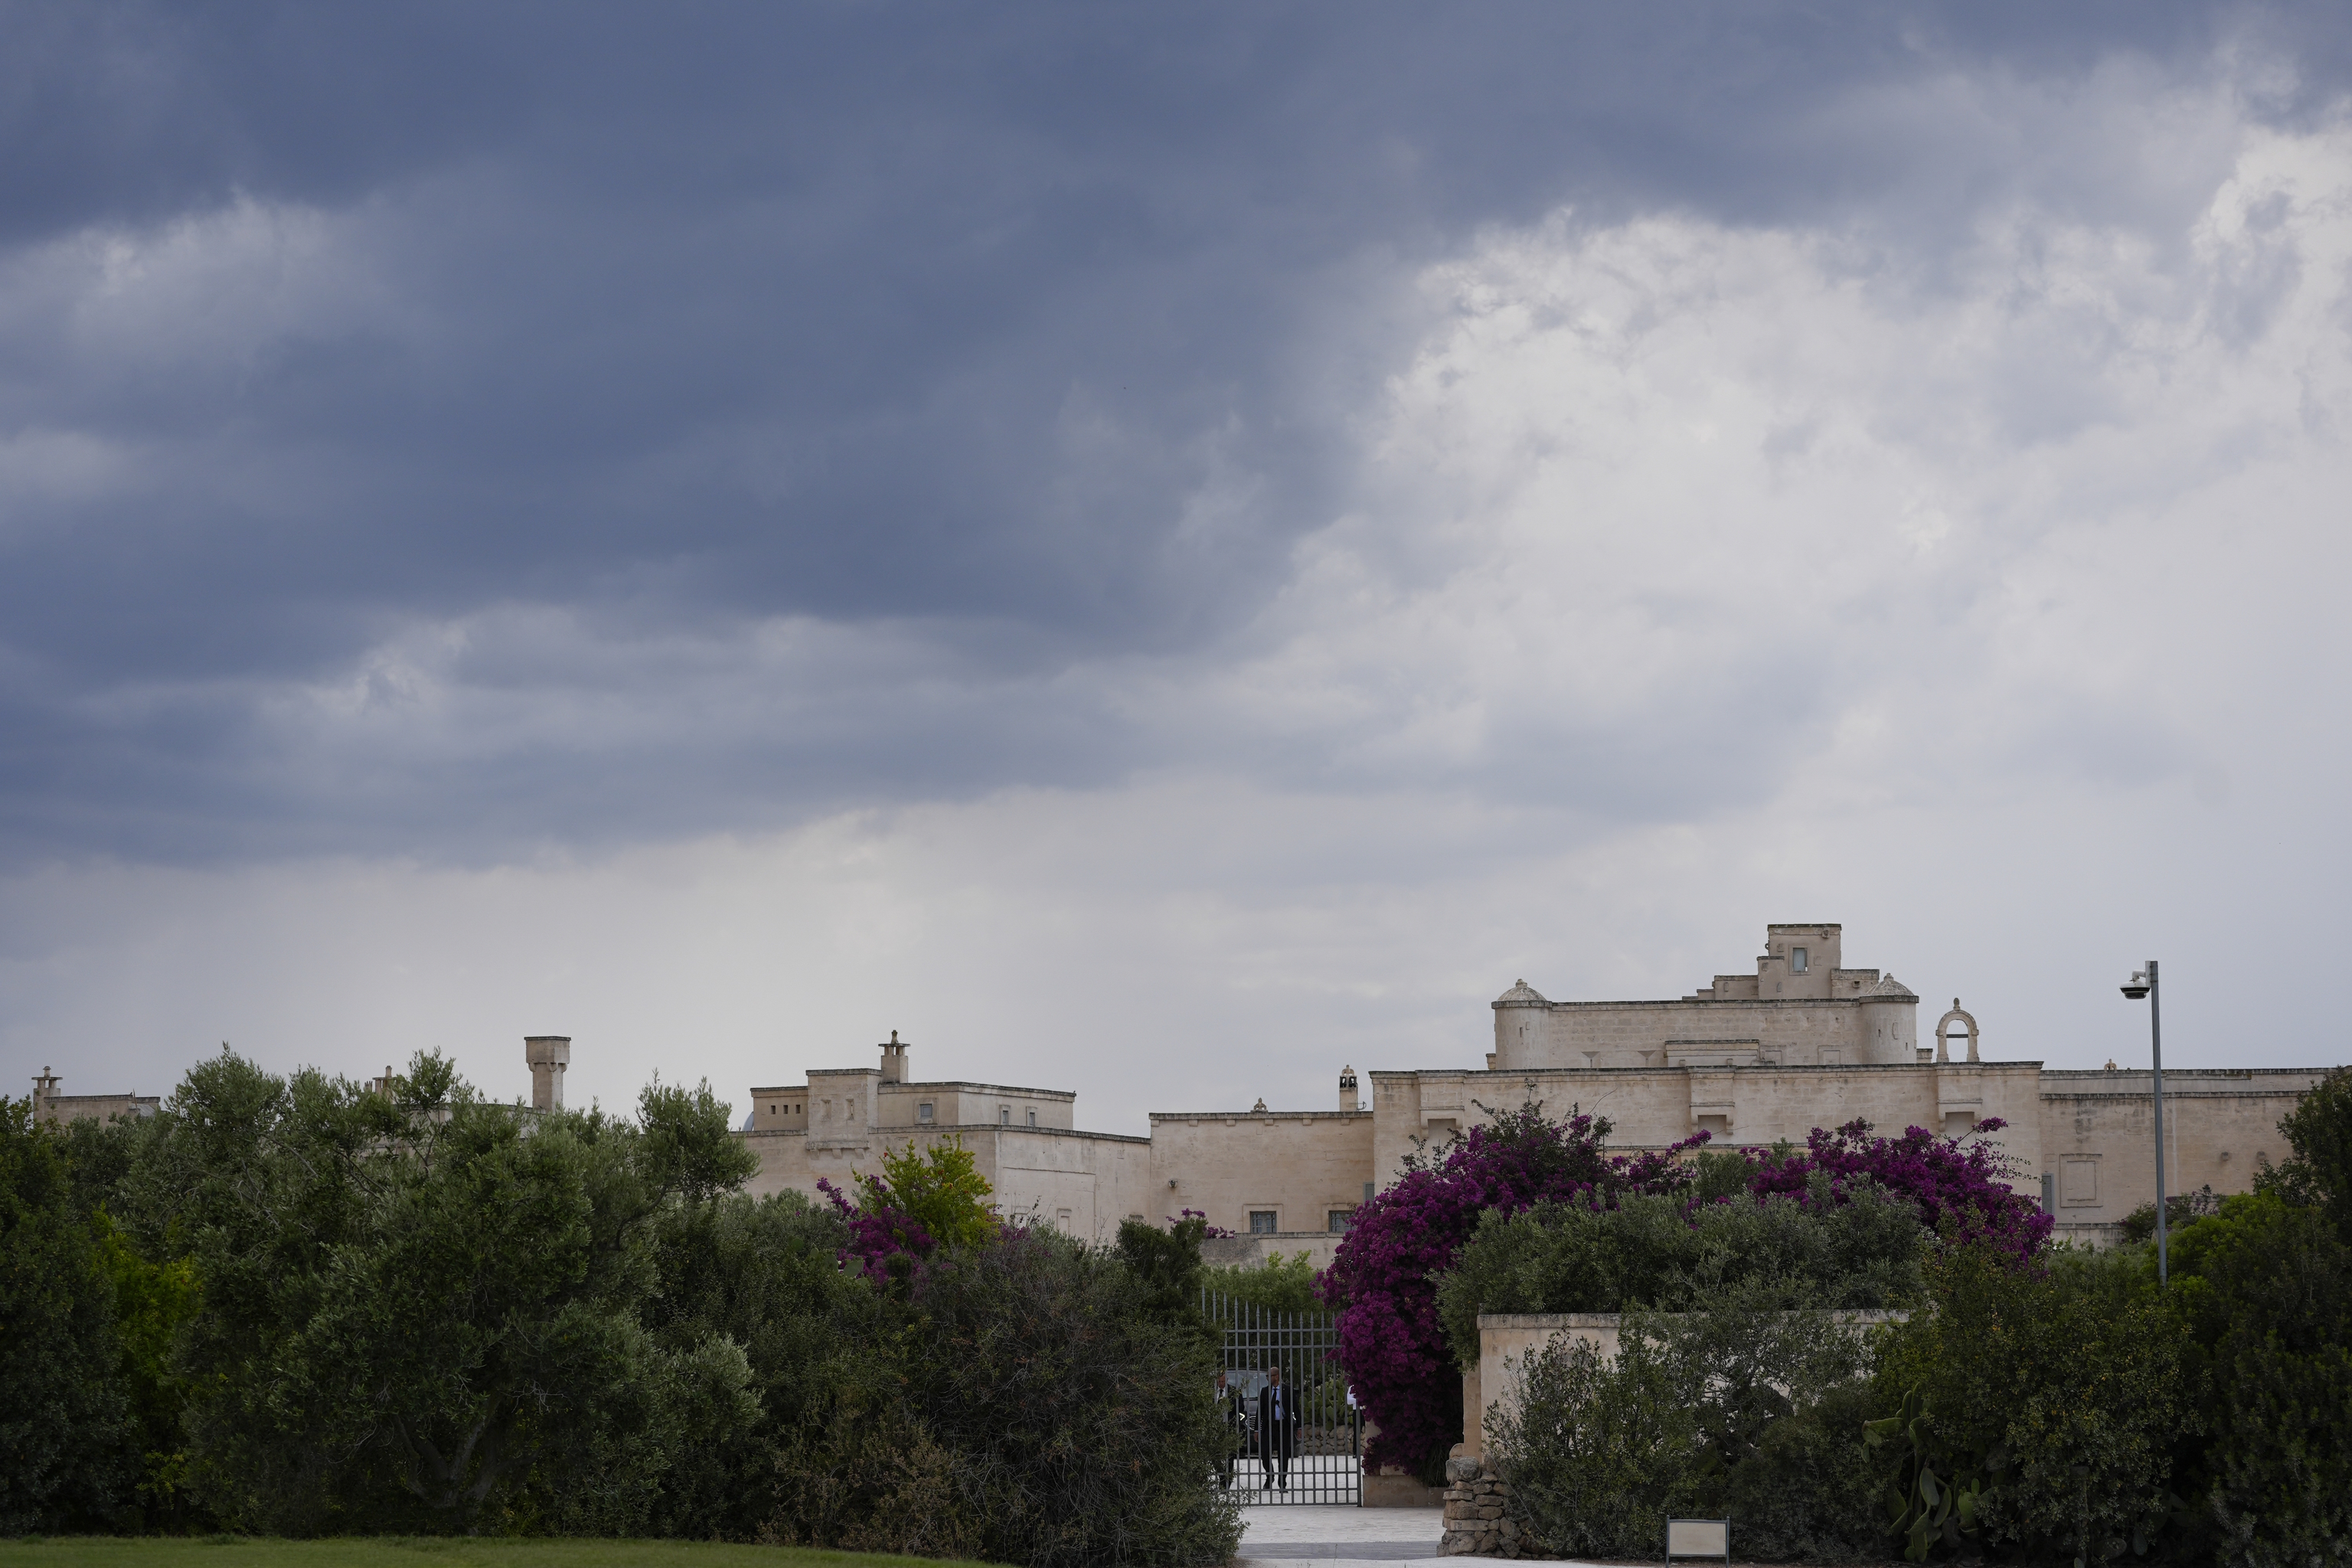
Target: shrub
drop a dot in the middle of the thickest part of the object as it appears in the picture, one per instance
(2180, 1210)
(2058, 1386)
(1661, 1253)
(1391, 1343)
(420, 1310)
(2266, 1289)
(63, 1411)
(2319, 1129)
(1276, 1283)
(760, 1274)
(1959, 1186)
(1039, 1412)
(924, 1199)
(1741, 1409)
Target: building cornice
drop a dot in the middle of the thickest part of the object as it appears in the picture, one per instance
(1261, 1115)
(868, 1135)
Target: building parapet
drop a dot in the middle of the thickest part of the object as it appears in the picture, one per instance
(933, 1129)
(1262, 1115)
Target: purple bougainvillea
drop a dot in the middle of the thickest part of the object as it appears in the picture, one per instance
(1383, 1277)
(1384, 1274)
(1209, 1232)
(1958, 1183)
(877, 1232)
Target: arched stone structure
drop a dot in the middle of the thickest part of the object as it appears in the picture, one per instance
(1943, 1045)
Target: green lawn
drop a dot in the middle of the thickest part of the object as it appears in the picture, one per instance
(416, 1552)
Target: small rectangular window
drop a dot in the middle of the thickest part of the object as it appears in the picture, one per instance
(1005, 1116)
(2080, 1181)
(1796, 961)
(1340, 1219)
(1032, 1118)
(1261, 1221)
(923, 1111)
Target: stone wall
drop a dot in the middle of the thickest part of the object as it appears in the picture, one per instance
(1300, 1166)
(1477, 1508)
(2098, 1137)
(1744, 1105)
(1082, 1184)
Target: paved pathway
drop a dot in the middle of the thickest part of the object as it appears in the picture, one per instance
(1283, 1537)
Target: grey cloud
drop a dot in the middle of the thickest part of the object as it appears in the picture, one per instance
(984, 331)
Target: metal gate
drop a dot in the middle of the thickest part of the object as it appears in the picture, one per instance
(1326, 1463)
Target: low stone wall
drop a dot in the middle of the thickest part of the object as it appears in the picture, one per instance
(1475, 1505)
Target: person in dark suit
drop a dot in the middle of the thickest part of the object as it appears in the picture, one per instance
(1277, 1427)
(1236, 1419)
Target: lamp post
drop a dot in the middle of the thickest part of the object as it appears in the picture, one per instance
(2143, 983)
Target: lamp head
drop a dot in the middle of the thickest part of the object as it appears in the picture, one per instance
(2137, 986)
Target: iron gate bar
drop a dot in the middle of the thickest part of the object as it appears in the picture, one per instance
(1328, 1465)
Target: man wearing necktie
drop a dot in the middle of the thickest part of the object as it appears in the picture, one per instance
(1277, 1427)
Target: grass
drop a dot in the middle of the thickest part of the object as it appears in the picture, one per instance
(419, 1552)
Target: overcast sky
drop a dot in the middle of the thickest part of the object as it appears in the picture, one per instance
(1162, 550)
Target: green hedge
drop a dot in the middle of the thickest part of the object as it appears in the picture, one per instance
(2062, 1407)
(296, 1306)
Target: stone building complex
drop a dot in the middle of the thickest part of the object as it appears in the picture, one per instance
(1803, 1042)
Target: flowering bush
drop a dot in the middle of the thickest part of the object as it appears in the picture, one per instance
(878, 1230)
(1384, 1275)
(923, 1200)
(1956, 1179)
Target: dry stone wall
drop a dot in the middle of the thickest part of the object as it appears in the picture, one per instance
(1476, 1512)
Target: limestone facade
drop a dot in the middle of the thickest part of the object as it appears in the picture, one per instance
(1803, 1042)
(49, 1105)
(839, 1122)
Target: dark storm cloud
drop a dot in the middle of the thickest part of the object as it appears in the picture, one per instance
(985, 327)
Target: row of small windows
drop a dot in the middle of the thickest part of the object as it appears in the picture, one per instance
(924, 1111)
(1262, 1221)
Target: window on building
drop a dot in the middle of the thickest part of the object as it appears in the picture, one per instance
(923, 1111)
(2079, 1181)
(1005, 1116)
(1797, 961)
(1032, 1118)
(1261, 1221)
(1340, 1219)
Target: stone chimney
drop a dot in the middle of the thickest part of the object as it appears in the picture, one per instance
(44, 1087)
(1347, 1101)
(893, 1060)
(383, 1086)
(548, 1055)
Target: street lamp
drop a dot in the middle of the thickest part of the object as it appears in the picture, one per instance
(2143, 983)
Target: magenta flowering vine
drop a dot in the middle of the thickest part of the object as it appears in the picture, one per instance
(878, 1231)
(1959, 1184)
(1383, 1277)
(1208, 1231)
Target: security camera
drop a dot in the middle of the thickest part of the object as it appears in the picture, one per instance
(2137, 986)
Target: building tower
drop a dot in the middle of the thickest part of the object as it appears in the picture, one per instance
(548, 1055)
